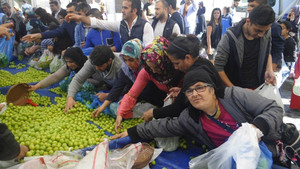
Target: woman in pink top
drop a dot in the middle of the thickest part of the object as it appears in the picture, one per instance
(158, 69)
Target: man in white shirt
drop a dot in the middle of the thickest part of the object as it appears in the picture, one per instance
(189, 12)
(132, 26)
(163, 25)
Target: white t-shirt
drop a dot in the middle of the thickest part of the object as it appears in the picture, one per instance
(159, 29)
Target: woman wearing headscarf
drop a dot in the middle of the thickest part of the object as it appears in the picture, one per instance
(157, 69)
(130, 54)
(74, 59)
(210, 100)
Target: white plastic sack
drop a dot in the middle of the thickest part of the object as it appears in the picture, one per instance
(37, 163)
(242, 146)
(270, 92)
(170, 143)
(62, 160)
(56, 63)
(296, 88)
(96, 159)
(124, 158)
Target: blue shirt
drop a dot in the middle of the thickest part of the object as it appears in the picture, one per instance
(104, 37)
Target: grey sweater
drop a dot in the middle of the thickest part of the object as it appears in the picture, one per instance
(242, 104)
(110, 77)
(55, 77)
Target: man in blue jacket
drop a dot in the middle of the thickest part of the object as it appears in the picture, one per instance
(66, 29)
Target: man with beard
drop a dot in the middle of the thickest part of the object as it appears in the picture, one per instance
(163, 25)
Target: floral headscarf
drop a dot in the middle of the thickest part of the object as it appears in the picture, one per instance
(156, 53)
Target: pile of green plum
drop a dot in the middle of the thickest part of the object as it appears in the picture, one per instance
(18, 66)
(28, 76)
(48, 129)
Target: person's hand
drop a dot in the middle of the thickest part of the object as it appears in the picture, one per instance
(73, 17)
(70, 103)
(118, 123)
(148, 115)
(4, 30)
(209, 51)
(258, 132)
(174, 91)
(26, 51)
(31, 37)
(34, 87)
(82, 44)
(270, 77)
(23, 151)
(1, 106)
(121, 135)
(97, 111)
(102, 96)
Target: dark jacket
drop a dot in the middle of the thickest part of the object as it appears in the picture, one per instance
(66, 29)
(137, 30)
(9, 147)
(243, 105)
(230, 54)
(177, 17)
(277, 44)
(168, 29)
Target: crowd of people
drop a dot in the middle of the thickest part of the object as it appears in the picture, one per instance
(153, 53)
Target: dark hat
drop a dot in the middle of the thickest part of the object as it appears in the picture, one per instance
(205, 75)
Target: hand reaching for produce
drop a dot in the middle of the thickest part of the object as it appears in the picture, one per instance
(118, 123)
(31, 37)
(148, 115)
(23, 151)
(34, 87)
(70, 103)
(102, 96)
(121, 135)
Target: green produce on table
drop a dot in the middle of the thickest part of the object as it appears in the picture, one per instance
(48, 129)
(29, 76)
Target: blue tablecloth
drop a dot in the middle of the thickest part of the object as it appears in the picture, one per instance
(176, 159)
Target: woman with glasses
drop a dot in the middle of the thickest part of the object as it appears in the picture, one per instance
(209, 102)
(74, 59)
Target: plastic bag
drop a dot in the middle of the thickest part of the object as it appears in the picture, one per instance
(37, 163)
(270, 92)
(169, 143)
(6, 51)
(45, 60)
(126, 157)
(242, 146)
(56, 63)
(139, 109)
(296, 87)
(62, 160)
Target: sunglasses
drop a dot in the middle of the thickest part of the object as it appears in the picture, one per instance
(293, 151)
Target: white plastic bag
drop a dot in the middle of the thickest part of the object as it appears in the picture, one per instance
(62, 160)
(37, 163)
(170, 143)
(96, 159)
(124, 158)
(296, 87)
(139, 109)
(56, 63)
(270, 92)
(242, 146)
